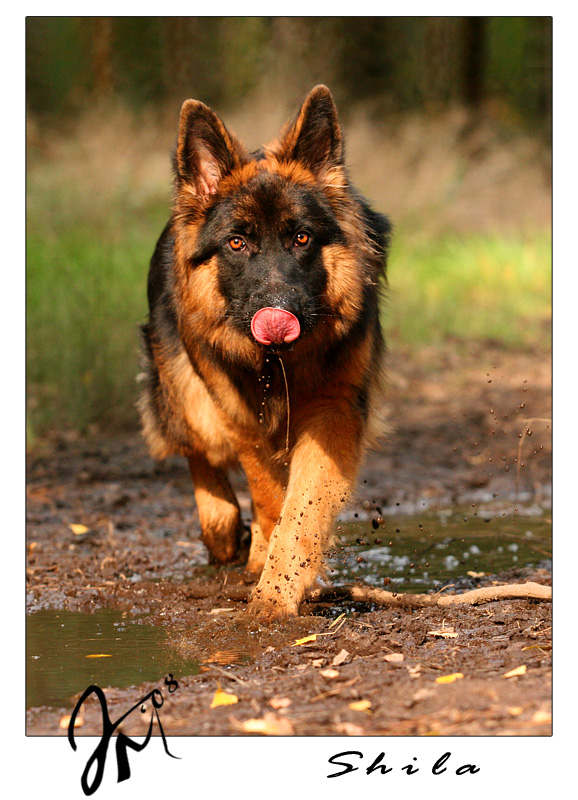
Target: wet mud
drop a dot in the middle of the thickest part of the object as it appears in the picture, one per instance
(119, 592)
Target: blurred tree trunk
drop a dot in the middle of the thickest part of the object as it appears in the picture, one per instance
(180, 43)
(474, 36)
(540, 43)
(101, 36)
(194, 63)
(439, 61)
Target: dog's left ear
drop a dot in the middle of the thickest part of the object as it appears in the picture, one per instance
(314, 138)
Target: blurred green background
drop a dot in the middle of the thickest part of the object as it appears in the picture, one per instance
(448, 131)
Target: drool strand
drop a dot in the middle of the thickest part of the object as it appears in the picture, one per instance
(288, 407)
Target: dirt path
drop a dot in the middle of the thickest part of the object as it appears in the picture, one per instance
(460, 435)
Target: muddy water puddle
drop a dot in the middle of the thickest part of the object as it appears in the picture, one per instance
(68, 651)
(420, 553)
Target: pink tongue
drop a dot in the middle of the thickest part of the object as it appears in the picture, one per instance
(274, 326)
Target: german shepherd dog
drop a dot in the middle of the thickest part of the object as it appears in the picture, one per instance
(263, 347)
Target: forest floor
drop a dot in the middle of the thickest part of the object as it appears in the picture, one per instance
(470, 426)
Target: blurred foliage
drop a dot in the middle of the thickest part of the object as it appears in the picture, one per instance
(98, 198)
(388, 63)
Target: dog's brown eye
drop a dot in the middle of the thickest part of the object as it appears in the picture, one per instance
(237, 243)
(301, 239)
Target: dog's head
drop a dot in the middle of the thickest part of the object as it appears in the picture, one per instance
(281, 230)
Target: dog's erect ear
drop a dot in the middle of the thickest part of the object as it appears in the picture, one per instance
(205, 150)
(314, 138)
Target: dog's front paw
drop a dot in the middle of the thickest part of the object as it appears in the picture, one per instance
(267, 609)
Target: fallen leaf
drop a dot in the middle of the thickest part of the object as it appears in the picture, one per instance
(349, 729)
(540, 717)
(514, 673)
(269, 725)
(224, 657)
(280, 702)
(455, 676)
(329, 673)
(393, 657)
(99, 655)
(78, 530)
(339, 658)
(306, 639)
(65, 721)
(360, 705)
(443, 633)
(221, 698)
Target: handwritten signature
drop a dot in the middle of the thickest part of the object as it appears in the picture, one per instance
(123, 742)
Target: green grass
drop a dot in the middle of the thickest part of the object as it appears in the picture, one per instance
(87, 260)
(484, 287)
(86, 297)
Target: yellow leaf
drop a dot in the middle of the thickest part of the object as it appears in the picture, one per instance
(99, 655)
(269, 725)
(449, 678)
(310, 638)
(78, 530)
(513, 673)
(65, 721)
(360, 705)
(221, 698)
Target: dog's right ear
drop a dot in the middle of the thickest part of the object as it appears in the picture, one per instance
(205, 150)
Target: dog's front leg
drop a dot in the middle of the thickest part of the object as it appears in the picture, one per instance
(323, 468)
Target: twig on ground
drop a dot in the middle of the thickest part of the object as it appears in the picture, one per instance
(368, 594)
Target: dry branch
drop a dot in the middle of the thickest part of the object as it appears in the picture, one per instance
(368, 594)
